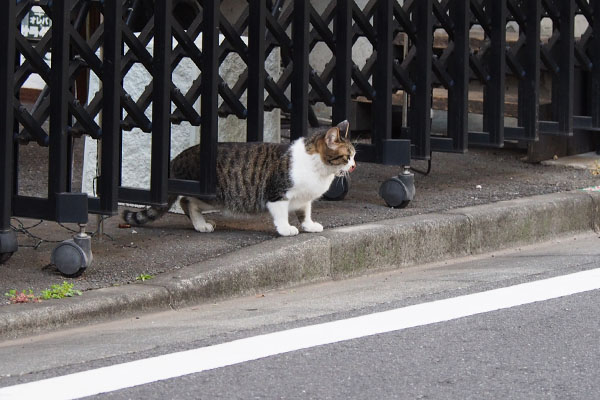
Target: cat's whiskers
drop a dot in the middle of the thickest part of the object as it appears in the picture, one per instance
(343, 174)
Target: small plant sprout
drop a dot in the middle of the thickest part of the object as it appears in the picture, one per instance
(60, 291)
(144, 277)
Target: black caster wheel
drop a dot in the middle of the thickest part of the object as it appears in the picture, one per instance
(338, 189)
(4, 257)
(398, 191)
(8, 245)
(73, 256)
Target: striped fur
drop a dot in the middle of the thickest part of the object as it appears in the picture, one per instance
(250, 176)
(147, 215)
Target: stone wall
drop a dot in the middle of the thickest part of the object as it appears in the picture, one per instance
(137, 144)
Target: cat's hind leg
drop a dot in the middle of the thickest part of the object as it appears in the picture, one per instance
(184, 203)
(280, 212)
(193, 208)
(304, 215)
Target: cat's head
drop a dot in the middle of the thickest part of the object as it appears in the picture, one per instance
(334, 147)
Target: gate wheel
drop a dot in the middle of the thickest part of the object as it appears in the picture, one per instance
(72, 257)
(397, 192)
(4, 257)
(8, 245)
(338, 189)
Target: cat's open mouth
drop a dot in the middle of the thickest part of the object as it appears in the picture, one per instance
(346, 173)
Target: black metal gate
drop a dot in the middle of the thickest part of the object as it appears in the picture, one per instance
(109, 37)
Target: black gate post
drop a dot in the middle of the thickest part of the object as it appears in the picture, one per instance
(420, 109)
(495, 91)
(62, 206)
(161, 101)
(111, 114)
(300, 52)
(458, 94)
(595, 73)
(8, 239)
(256, 70)
(529, 86)
(59, 86)
(382, 80)
(209, 119)
(343, 61)
(565, 53)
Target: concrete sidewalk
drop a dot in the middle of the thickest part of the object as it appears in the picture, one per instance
(334, 254)
(469, 204)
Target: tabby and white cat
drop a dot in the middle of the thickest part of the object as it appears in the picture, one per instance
(254, 177)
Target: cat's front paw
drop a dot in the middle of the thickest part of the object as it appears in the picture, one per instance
(205, 227)
(312, 227)
(288, 230)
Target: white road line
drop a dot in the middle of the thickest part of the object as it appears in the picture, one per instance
(168, 366)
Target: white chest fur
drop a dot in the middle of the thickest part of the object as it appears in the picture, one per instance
(310, 177)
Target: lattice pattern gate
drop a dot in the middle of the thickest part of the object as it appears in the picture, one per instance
(109, 37)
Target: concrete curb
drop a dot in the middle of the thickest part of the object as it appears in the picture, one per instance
(276, 263)
(529, 220)
(334, 254)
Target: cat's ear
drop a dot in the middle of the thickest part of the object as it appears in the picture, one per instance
(344, 128)
(332, 137)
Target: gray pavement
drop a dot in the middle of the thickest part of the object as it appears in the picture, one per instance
(541, 350)
(469, 204)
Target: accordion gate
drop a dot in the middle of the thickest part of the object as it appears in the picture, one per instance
(120, 30)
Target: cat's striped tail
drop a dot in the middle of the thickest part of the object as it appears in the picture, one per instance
(148, 215)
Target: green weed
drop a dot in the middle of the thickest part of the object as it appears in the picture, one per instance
(144, 277)
(60, 291)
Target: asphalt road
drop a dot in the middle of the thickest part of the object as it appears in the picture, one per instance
(541, 349)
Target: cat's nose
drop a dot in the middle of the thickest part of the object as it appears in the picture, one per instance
(352, 168)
